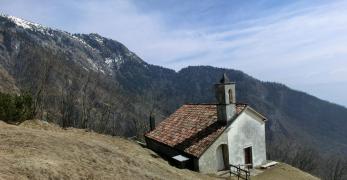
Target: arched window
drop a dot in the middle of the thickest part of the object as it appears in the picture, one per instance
(230, 96)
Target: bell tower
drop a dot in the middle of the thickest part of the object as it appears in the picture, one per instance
(226, 97)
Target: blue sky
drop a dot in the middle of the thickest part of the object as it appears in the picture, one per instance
(299, 43)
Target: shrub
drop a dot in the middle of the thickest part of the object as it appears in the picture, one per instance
(16, 108)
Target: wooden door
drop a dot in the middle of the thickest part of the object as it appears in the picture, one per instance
(248, 157)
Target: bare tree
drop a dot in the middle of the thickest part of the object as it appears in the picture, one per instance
(67, 104)
(297, 155)
(335, 168)
(305, 158)
(85, 104)
(39, 90)
(105, 117)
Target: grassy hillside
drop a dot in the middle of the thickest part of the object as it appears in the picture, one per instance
(39, 150)
(284, 171)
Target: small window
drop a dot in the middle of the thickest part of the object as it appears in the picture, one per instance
(230, 96)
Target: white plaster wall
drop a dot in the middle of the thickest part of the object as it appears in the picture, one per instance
(220, 158)
(208, 162)
(246, 131)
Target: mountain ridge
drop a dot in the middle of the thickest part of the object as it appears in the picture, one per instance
(88, 81)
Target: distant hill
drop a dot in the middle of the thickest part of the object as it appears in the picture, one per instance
(39, 150)
(88, 81)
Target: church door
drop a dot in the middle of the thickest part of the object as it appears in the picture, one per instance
(222, 157)
(248, 157)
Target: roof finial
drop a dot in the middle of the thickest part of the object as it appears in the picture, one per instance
(224, 79)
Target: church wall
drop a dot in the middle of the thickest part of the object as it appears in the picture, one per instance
(246, 132)
(208, 162)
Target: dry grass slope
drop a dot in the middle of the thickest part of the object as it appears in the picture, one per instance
(284, 172)
(39, 150)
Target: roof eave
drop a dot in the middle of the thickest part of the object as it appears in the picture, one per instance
(174, 148)
(257, 113)
(226, 127)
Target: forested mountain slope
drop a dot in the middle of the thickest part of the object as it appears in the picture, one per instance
(88, 81)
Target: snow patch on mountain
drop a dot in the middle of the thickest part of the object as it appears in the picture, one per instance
(114, 62)
(22, 23)
(43, 29)
(93, 65)
(108, 61)
(82, 42)
(29, 25)
(98, 39)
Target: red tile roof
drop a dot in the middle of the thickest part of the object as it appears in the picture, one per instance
(192, 128)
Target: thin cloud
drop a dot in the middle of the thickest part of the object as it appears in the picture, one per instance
(298, 45)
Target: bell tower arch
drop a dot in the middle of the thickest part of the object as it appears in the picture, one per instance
(226, 98)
